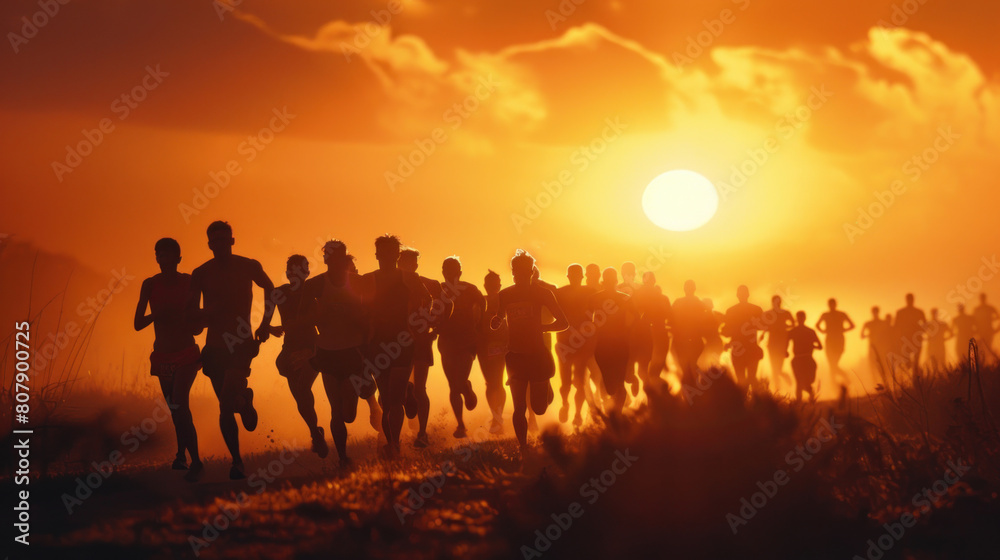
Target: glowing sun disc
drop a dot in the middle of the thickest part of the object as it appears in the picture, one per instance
(680, 200)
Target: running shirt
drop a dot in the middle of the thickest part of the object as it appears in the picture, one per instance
(468, 305)
(777, 321)
(391, 295)
(804, 340)
(337, 313)
(575, 302)
(741, 323)
(168, 300)
(523, 304)
(299, 334)
(227, 287)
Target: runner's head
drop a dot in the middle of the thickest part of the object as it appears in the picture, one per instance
(689, 288)
(875, 312)
(220, 238)
(628, 271)
(451, 268)
(833, 304)
(521, 267)
(387, 249)
(743, 294)
(961, 309)
(593, 274)
(609, 278)
(296, 268)
(492, 283)
(909, 300)
(574, 273)
(982, 298)
(649, 278)
(334, 252)
(409, 259)
(168, 254)
(801, 316)
(776, 302)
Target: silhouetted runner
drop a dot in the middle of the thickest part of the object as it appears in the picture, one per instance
(457, 338)
(777, 323)
(575, 345)
(658, 314)
(986, 326)
(878, 331)
(834, 324)
(614, 314)
(491, 351)
(298, 347)
(224, 285)
(937, 333)
(711, 356)
(804, 341)
(529, 360)
(391, 295)
(592, 275)
(175, 360)
(741, 324)
(691, 325)
(909, 335)
(417, 402)
(368, 393)
(643, 297)
(333, 306)
(964, 327)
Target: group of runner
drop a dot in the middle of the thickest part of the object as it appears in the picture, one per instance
(371, 337)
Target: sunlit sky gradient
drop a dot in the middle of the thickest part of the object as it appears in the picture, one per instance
(603, 100)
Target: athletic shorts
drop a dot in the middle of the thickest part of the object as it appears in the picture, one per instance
(339, 364)
(423, 349)
(165, 364)
(453, 345)
(835, 343)
(530, 367)
(611, 355)
(292, 362)
(387, 354)
(804, 369)
(216, 360)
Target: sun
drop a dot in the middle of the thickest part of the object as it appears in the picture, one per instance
(680, 200)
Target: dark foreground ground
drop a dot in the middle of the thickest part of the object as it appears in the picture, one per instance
(907, 473)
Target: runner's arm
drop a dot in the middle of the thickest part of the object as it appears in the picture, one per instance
(560, 323)
(260, 278)
(142, 320)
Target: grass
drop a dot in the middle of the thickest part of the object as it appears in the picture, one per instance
(695, 462)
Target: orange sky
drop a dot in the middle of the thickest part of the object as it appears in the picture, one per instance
(537, 91)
